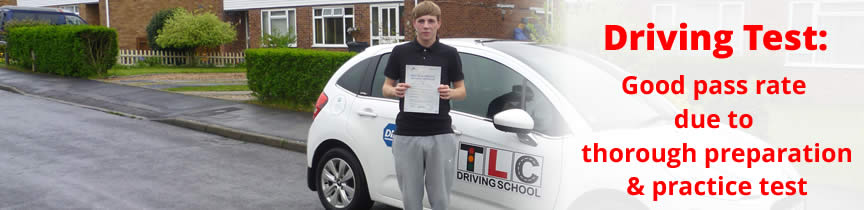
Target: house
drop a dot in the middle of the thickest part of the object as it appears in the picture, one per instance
(325, 24)
(317, 24)
(129, 17)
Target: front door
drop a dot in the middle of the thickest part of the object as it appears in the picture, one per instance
(385, 25)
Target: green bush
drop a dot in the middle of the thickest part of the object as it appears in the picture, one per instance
(66, 50)
(191, 30)
(150, 61)
(279, 40)
(24, 23)
(156, 23)
(289, 75)
(14, 24)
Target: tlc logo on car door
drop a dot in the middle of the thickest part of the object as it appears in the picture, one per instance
(500, 169)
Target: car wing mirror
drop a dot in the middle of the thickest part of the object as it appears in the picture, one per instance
(516, 121)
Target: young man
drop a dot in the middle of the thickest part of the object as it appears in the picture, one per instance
(424, 145)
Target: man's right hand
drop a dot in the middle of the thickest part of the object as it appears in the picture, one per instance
(400, 89)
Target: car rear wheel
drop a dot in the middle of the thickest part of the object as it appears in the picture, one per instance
(341, 183)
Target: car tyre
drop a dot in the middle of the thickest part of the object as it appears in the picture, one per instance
(340, 181)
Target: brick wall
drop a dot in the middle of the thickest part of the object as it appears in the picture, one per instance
(90, 13)
(130, 18)
(8, 2)
(471, 18)
(238, 19)
(102, 17)
(477, 18)
(254, 28)
(304, 27)
(361, 23)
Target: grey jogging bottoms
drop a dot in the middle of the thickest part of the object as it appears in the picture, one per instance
(433, 156)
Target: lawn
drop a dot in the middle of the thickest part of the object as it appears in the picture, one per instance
(131, 71)
(210, 88)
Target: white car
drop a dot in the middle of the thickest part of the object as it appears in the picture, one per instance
(529, 157)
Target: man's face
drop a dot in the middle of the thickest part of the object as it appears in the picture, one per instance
(427, 27)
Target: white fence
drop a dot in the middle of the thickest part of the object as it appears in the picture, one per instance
(133, 57)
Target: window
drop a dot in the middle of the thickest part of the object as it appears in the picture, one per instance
(279, 22)
(841, 20)
(732, 18)
(378, 82)
(70, 8)
(664, 15)
(385, 24)
(53, 18)
(550, 18)
(494, 87)
(352, 79)
(74, 20)
(331, 26)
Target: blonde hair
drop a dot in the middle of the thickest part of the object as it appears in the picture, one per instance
(426, 8)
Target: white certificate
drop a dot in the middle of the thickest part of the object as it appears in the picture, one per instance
(422, 96)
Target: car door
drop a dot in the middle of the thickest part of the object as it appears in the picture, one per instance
(372, 123)
(496, 169)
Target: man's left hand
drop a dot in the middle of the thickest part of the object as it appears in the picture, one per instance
(444, 90)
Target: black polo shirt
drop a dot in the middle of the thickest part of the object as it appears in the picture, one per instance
(412, 53)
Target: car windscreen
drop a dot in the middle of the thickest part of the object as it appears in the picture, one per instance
(52, 18)
(591, 86)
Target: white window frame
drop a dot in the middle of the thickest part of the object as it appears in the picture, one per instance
(818, 12)
(323, 24)
(399, 35)
(654, 12)
(270, 22)
(811, 55)
(73, 8)
(737, 42)
(550, 15)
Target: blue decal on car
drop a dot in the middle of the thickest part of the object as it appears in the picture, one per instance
(388, 134)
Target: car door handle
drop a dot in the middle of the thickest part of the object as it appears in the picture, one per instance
(367, 114)
(456, 131)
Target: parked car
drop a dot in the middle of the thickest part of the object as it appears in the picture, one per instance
(517, 150)
(53, 16)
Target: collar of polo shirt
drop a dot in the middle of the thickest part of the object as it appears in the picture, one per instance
(435, 46)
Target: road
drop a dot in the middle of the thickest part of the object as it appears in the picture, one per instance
(60, 156)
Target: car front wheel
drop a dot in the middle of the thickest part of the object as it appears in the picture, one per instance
(341, 183)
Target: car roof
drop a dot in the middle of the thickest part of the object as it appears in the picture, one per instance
(32, 9)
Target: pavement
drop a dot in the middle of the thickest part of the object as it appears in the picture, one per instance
(236, 120)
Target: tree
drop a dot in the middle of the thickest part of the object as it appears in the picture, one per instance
(188, 30)
(156, 24)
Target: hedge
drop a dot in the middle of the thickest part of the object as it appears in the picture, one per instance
(66, 50)
(289, 75)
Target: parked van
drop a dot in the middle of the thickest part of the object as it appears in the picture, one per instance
(54, 16)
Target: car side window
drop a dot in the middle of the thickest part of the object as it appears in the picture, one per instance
(73, 20)
(352, 79)
(378, 81)
(493, 87)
